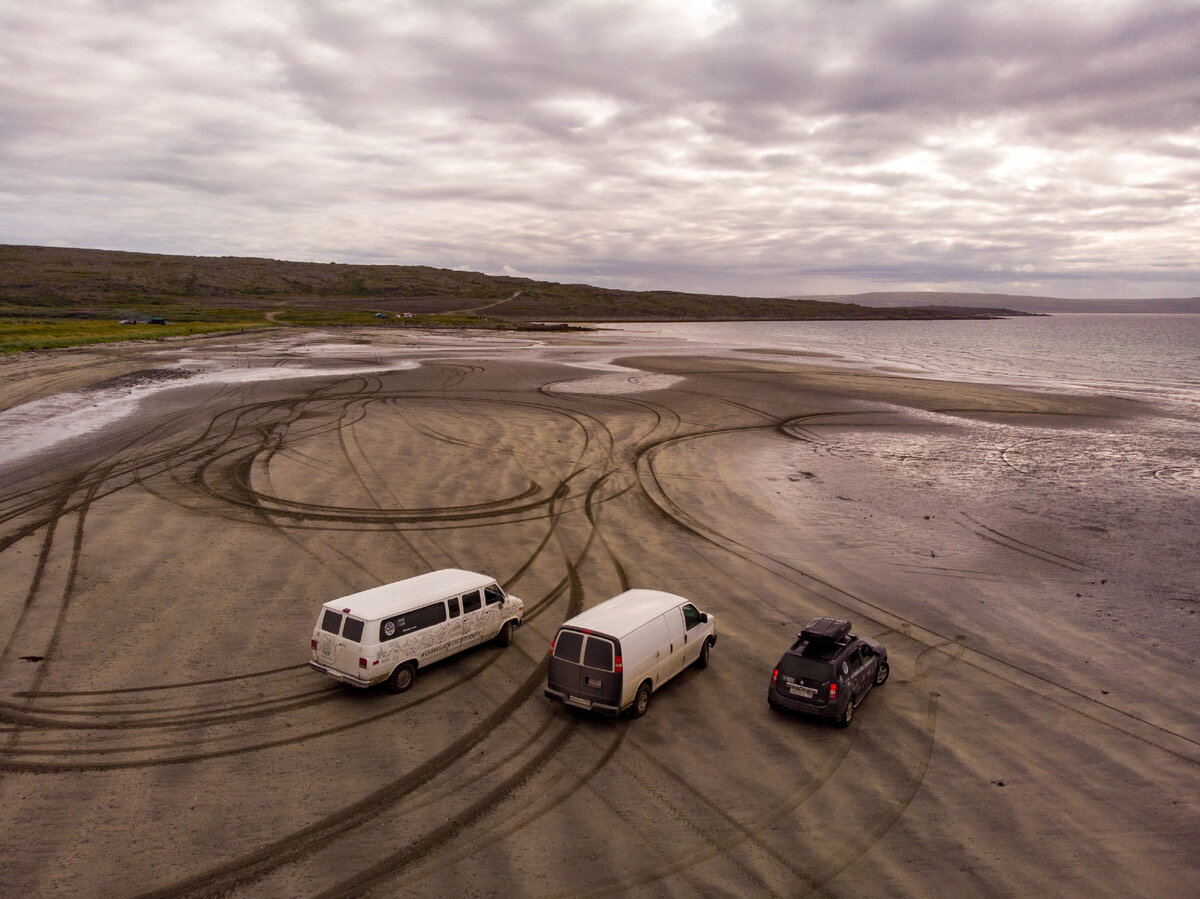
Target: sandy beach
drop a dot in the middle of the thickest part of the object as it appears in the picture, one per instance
(167, 540)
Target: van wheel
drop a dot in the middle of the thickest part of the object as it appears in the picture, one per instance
(402, 678)
(702, 659)
(641, 701)
(504, 638)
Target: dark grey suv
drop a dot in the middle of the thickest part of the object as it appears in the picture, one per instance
(828, 671)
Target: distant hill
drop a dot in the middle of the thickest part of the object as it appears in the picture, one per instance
(1034, 305)
(61, 281)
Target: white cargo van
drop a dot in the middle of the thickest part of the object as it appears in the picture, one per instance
(386, 633)
(610, 658)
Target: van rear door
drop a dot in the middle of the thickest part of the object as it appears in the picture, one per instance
(566, 672)
(583, 666)
(339, 642)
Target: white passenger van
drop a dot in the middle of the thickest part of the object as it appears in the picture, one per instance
(610, 658)
(386, 633)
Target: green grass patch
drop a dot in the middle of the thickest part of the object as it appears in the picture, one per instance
(360, 319)
(20, 335)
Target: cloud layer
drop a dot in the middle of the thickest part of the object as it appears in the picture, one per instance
(754, 146)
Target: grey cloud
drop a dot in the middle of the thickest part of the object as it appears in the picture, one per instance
(759, 139)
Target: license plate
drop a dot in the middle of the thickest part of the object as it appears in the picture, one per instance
(806, 692)
(582, 703)
(595, 682)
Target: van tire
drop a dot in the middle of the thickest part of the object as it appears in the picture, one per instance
(702, 659)
(641, 701)
(505, 637)
(402, 678)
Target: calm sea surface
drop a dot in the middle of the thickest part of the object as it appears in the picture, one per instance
(1155, 358)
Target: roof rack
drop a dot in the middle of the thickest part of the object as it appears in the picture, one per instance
(833, 630)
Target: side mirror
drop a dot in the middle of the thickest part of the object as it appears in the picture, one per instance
(704, 617)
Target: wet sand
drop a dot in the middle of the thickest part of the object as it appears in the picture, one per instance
(163, 735)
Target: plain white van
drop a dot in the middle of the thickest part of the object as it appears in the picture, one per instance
(386, 633)
(610, 658)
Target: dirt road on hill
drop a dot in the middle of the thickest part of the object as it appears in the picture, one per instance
(167, 541)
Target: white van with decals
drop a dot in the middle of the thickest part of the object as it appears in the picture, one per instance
(610, 658)
(386, 633)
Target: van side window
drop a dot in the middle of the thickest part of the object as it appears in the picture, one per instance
(353, 630)
(493, 594)
(567, 646)
(691, 617)
(331, 621)
(453, 600)
(471, 602)
(598, 654)
(399, 625)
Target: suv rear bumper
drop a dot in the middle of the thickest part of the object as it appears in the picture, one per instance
(795, 704)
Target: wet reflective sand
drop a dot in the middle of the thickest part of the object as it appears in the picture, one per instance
(1031, 571)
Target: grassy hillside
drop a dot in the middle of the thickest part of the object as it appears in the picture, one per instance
(46, 293)
(51, 278)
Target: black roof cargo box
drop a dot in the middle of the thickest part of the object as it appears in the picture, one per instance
(834, 630)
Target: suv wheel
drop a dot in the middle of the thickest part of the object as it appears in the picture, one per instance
(844, 721)
(881, 673)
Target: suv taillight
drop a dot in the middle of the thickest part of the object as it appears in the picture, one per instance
(832, 692)
(314, 642)
(775, 675)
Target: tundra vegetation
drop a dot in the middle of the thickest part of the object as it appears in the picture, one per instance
(57, 297)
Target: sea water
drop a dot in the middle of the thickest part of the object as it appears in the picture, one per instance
(1133, 483)
(1154, 358)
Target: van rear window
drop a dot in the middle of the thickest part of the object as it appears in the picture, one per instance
(399, 625)
(598, 654)
(331, 621)
(353, 630)
(567, 646)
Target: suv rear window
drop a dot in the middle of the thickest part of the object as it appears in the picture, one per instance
(798, 667)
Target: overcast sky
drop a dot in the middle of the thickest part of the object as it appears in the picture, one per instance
(758, 147)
